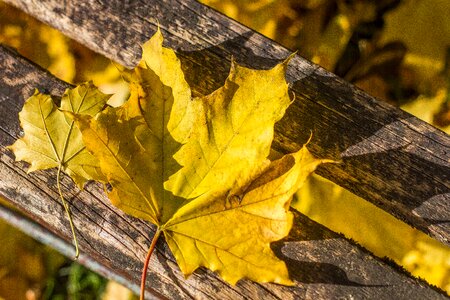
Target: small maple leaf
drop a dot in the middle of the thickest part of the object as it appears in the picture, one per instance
(51, 140)
(198, 169)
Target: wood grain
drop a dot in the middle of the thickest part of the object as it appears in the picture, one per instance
(323, 264)
(389, 157)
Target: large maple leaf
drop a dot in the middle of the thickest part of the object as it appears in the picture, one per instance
(198, 168)
(51, 140)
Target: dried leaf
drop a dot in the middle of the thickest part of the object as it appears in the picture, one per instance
(135, 143)
(233, 132)
(51, 140)
(231, 233)
(224, 201)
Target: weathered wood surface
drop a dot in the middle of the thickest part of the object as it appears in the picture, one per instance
(389, 157)
(323, 264)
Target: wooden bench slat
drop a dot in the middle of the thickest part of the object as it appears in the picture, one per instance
(323, 264)
(390, 158)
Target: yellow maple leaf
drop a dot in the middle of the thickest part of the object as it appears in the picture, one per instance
(233, 132)
(51, 140)
(231, 233)
(135, 143)
(198, 169)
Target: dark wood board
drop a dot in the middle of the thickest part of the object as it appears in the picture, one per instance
(389, 157)
(323, 264)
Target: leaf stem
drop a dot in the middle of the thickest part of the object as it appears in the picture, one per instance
(147, 260)
(66, 208)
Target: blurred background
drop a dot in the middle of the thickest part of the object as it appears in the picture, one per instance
(396, 50)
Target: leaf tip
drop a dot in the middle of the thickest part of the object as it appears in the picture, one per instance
(284, 281)
(289, 58)
(11, 148)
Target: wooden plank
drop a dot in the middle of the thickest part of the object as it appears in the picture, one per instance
(389, 157)
(323, 264)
